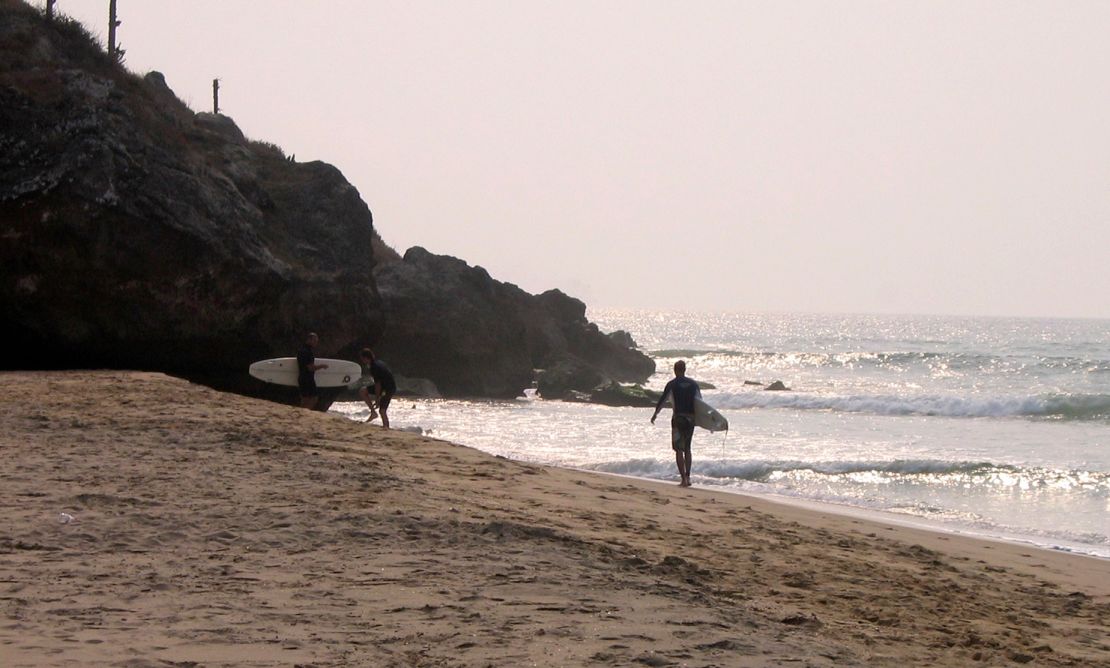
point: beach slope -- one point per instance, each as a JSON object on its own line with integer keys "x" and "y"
{"x": 147, "y": 521}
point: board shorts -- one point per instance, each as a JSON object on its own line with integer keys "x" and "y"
{"x": 307, "y": 386}
{"x": 383, "y": 403}
{"x": 682, "y": 432}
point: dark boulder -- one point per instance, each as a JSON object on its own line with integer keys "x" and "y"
{"x": 475, "y": 336}
{"x": 453, "y": 324}
{"x": 570, "y": 373}
{"x": 623, "y": 339}
{"x": 560, "y": 329}
{"x": 777, "y": 386}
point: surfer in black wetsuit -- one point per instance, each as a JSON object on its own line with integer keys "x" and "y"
{"x": 385, "y": 385}
{"x": 682, "y": 392}
{"x": 306, "y": 371}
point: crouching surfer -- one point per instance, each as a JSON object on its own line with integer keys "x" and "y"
{"x": 375, "y": 372}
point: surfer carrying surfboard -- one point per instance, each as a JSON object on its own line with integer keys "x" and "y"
{"x": 306, "y": 371}
{"x": 682, "y": 392}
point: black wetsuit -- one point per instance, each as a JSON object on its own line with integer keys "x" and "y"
{"x": 306, "y": 377}
{"x": 682, "y": 391}
{"x": 384, "y": 377}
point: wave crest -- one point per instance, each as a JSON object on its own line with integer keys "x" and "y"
{"x": 1061, "y": 406}
{"x": 895, "y": 471}
{"x": 892, "y": 360}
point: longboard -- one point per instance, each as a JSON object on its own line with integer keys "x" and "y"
{"x": 283, "y": 371}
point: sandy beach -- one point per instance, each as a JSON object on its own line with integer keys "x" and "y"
{"x": 147, "y": 521}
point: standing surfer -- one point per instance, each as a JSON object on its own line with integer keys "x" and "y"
{"x": 306, "y": 371}
{"x": 682, "y": 392}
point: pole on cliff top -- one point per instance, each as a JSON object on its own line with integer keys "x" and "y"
{"x": 113, "y": 49}
{"x": 215, "y": 96}
{"x": 50, "y": 9}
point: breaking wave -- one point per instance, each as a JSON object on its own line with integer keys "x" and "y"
{"x": 1057, "y": 406}
{"x": 902, "y": 471}
{"x": 890, "y": 360}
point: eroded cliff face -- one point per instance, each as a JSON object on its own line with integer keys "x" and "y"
{"x": 136, "y": 233}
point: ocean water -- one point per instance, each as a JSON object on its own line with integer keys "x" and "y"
{"x": 986, "y": 426}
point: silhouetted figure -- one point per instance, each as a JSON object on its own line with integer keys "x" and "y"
{"x": 682, "y": 392}
{"x": 306, "y": 371}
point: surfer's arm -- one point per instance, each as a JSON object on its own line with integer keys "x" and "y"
{"x": 662, "y": 400}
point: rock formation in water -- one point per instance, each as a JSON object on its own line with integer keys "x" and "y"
{"x": 476, "y": 336}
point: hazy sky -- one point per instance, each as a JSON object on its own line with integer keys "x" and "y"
{"x": 885, "y": 157}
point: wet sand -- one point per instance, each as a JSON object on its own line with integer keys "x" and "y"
{"x": 211, "y": 529}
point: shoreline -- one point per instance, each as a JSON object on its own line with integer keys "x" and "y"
{"x": 1068, "y": 566}
{"x": 954, "y": 527}
{"x": 876, "y": 516}
{"x": 224, "y": 530}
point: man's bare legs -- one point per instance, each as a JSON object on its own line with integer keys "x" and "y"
{"x": 382, "y": 409}
{"x": 683, "y": 459}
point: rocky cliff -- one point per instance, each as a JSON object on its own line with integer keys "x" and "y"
{"x": 135, "y": 233}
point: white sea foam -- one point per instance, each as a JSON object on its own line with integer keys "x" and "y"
{"x": 1064, "y": 406}
{"x": 916, "y": 471}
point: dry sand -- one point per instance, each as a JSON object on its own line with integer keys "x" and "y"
{"x": 211, "y": 529}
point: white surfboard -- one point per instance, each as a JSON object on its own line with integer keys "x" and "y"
{"x": 707, "y": 417}
{"x": 283, "y": 371}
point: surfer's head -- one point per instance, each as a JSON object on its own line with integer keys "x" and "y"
{"x": 680, "y": 368}
{"x": 311, "y": 340}
{"x": 366, "y": 354}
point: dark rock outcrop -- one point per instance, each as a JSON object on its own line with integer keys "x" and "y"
{"x": 475, "y": 336}
{"x": 622, "y": 339}
{"x": 568, "y": 375}
{"x": 135, "y": 233}
{"x": 615, "y": 394}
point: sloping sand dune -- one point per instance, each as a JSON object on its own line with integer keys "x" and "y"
{"x": 211, "y": 529}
